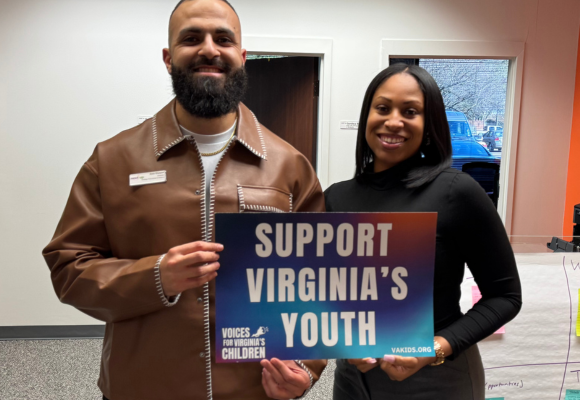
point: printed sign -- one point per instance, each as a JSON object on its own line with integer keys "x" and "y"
{"x": 324, "y": 285}
{"x": 349, "y": 125}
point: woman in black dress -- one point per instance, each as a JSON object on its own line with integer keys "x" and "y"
{"x": 403, "y": 156}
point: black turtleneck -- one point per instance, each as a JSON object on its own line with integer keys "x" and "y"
{"x": 469, "y": 231}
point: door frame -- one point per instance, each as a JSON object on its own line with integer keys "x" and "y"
{"x": 305, "y": 47}
{"x": 512, "y": 51}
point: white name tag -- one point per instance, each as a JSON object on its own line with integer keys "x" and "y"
{"x": 147, "y": 178}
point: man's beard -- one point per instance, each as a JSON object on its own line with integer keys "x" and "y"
{"x": 206, "y": 96}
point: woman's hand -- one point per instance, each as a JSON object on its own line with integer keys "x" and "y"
{"x": 364, "y": 364}
{"x": 400, "y": 368}
{"x": 283, "y": 379}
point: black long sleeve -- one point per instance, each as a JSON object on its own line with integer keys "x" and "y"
{"x": 469, "y": 231}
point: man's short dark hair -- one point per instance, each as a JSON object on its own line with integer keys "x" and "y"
{"x": 183, "y": 1}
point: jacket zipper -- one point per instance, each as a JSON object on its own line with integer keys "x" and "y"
{"x": 206, "y": 235}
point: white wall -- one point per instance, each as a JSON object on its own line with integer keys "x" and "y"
{"x": 75, "y": 72}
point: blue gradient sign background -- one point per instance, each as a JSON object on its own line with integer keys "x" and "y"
{"x": 258, "y": 326}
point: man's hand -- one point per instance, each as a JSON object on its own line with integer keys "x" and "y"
{"x": 189, "y": 266}
{"x": 283, "y": 379}
{"x": 400, "y": 368}
{"x": 364, "y": 364}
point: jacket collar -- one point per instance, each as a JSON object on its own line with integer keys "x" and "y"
{"x": 250, "y": 133}
{"x": 166, "y": 131}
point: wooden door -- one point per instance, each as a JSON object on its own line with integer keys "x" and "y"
{"x": 283, "y": 93}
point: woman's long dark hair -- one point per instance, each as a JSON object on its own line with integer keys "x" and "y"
{"x": 436, "y": 145}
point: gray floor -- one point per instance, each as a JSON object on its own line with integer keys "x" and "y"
{"x": 68, "y": 370}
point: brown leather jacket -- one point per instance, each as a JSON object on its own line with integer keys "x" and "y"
{"x": 110, "y": 236}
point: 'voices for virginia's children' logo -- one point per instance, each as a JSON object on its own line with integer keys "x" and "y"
{"x": 238, "y": 344}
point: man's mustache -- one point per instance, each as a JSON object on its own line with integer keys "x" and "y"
{"x": 204, "y": 61}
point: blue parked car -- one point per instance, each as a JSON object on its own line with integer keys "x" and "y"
{"x": 465, "y": 151}
{"x": 465, "y": 148}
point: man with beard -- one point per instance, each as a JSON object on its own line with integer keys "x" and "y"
{"x": 134, "y": 246}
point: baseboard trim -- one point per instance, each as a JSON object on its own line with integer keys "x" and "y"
{"x": 52, "y": 332}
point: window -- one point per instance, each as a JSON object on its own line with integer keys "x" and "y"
{"x": 474, "y": 92}
{"x": 513, "y": 53}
